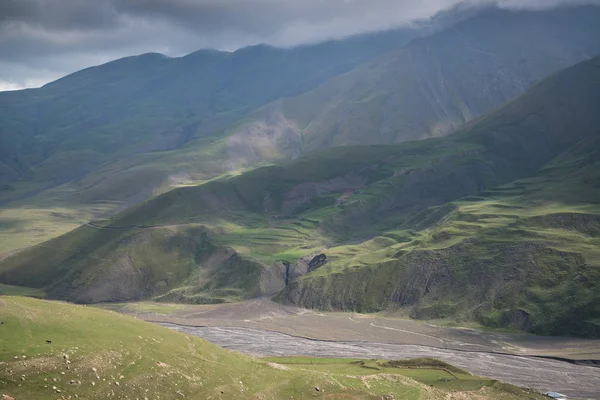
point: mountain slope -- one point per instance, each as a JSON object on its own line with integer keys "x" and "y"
{"x": 109, "y": 136}
{"x": 435, "y": 84}
{"x": 117, "y": 134}
{"x": 427, "y": 88}
{"x": 149, "y": 103}
{"x": 524, "y": 256}
{"x": 256, "y": 233}
{"x": 96, "y": 354}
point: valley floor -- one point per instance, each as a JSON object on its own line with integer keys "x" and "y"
{"x": 264, "y": 328}
{"x": 51, "y": 349}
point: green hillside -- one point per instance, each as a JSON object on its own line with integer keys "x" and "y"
{"x": 505, "y": 209}
{"x": 381, "y": 101}
{"x": 57, "y": 350}
{"x": 107, "y": 137}
{"x": 152, "y": 103}
{"x": 522, "y": 256}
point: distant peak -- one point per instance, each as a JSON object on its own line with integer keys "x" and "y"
{"x": 202, "y": 53}
{"x": 255, "y": 48}
{"x": 153, "y": 55}
{"x": 459, "y": 12}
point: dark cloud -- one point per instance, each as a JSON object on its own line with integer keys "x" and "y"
{"x": 41, "y": 40}
{"x": 59, "y": 14}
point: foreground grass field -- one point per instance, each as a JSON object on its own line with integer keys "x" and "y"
{"x": 427, "y": 371}
{"x": 60, "y": 350}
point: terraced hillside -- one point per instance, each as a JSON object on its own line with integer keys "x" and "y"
{"x": 57, "y": 350}
{"x": 504, "y": 210}
{"x": 90, "y": 144}
{"x": 522, "y": 256}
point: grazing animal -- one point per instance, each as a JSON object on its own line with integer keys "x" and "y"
{"x": 49, "y": 341}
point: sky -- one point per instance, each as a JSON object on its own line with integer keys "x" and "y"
{"x": 42, "y": 40}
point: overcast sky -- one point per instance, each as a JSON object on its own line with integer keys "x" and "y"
{"x": 42, "y": 40}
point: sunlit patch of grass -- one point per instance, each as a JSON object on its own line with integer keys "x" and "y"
{"x": 10, "y": 290}
{"x": 150, "y": 307}
{"x": 46, "y": 216}
{"x": 430, "y": 372}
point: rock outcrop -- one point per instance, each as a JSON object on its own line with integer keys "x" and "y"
{"x": 317, "y": 262}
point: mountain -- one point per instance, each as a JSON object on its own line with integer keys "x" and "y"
{"x": 435, "y": 84}
{"x": 150, "y": 103}
{"x": 426, "y": 88}
{"x": 96, "y": 141}
{"x": 504, "y": 209}
{"x": 109, "y": 136}
{"x": 57, "y": 350}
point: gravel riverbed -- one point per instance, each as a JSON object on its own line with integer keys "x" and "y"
{"x": 543, "y": 374}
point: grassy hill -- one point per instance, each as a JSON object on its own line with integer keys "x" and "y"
{"x": 152, "y": 103}
{"x": 57, "y": 350}
{"x": 505, "y": 209}
{"x": 94, "y": 142}
{"x": 426, "y": 88}
{"x": 109, "y": 136}
{"x": 522, "y": 256}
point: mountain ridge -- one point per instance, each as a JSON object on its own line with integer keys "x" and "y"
{"x": 370, "y": 210}
{"x": 112, "y": 136}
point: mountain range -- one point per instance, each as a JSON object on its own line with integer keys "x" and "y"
{"x": 124, "y": 131}
{"x": 450, "y": 173}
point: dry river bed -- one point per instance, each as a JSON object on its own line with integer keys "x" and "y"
{"x": 263, "y": 328}
{"x": 543, "y": 374}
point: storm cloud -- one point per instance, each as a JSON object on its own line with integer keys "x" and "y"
{"x": 41, "y": 40}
